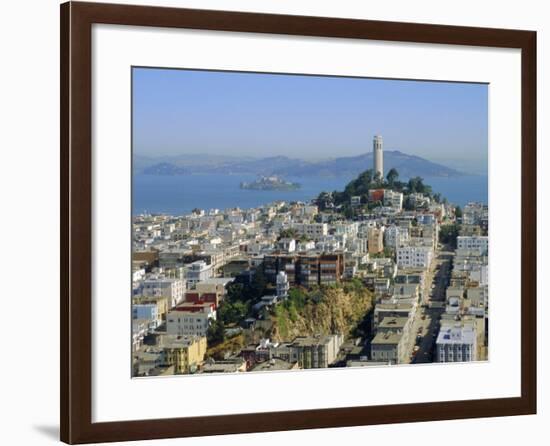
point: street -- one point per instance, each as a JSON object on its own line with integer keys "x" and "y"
{"x": 425, "y": 324}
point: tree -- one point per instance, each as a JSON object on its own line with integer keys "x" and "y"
{"x": 233, "y": 312}
{"x": 348, "y": 212}
{"x": 324, "y": 200}
{"x": 365, "y": 178}
{"x": 235, "y": 291}
{"x": 288, "y": 233}
{"x": 360, "y": 186}
{"x": 458, "y": 212}
{"x": 216, "y": 332}
{"x": 416, "y": 184}
{"x": 408, "y": 204}
{"x": 259, "y": 283}
{"x": 448, "y": 235}
{"x": 392, "y": 177}
{"x": 298, "y": 297}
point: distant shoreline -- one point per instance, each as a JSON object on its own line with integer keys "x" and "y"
{"x": 179, "y": 194}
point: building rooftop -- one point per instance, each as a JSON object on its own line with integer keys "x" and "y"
{"x": 226, "y": 366}
{"x": 388, "y": 338}
{"x": 456, "y": 334}
{"x": 393, "y": 322}
{"x": 274, "y": 364}
{"x": 176, "y": 341}
{"x": 306, "y": 341}
{"x": 216, "y": 281}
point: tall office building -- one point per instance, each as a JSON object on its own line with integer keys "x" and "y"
{"x": 378, "y": 156}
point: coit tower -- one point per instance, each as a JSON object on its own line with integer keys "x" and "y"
{"x": 378, "y": 156}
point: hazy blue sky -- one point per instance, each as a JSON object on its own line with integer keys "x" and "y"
{"x": 184, "y": 111}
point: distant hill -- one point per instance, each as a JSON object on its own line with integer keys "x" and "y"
{"x": 406, "y": 165}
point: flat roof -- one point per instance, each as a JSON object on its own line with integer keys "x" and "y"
{"x": 216, "y": 281}
{"x": 387, "y": 338}
{"x": 274, "y": 364}
{"x": 456, "y": 335}
{"x": 393, "y": 322}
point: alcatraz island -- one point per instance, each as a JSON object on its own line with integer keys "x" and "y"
{"x": 272, "y": 182}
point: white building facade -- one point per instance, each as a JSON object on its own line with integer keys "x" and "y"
{"x": 173, "y": 289}
{"x": 473, "y": 243}
{"x": 414, "y": 256}
{"x": 198, "y": 271}
{"x": 456, "y": 344}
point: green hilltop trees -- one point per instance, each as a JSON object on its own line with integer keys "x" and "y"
{"x": 367, "y": 181}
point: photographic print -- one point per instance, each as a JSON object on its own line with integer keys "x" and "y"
{"x": 285, "y": 222}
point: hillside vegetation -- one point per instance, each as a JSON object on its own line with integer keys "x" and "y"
{"x": 324, "y": 310}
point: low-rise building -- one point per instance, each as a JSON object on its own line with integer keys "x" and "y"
{"x": 233, "y": 365}
{"x": 414, "y": 256}
{"x": 214, "y": 285}
{"x": 184, "y": 353}
{"x": 311, "y": 230}
{"x": 274, "y": 364}
{"x": 473, "y": 243}
{"x": 147, "y": 312}
{"x": 310, "y": 352}
{"x": 282, "y": 285}
{"x": 393, "y": 199}
{"x": 197, "y": 272}
{"x": 456, "y": 343}
{"x": 396, "y": 236}
{"x": 173, "y": 289}
{"x": 389, "y": 347}
{"x": 190, "y": 320}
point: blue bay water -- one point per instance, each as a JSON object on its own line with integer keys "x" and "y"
{"x": 178, "y": 195}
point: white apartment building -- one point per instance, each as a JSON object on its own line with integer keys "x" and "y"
{"x": 282, "y": 285}
{"x": 173, "y": 289}
{"x": 414, "y": 256}
{"x": 311, "y": 230}
{"x": 456, "y": 343}
{"x": 329, "y": 244}
{"x": 189, "y": 323}
{"x": 393, "y": 199}
{"x": 197, "y": 272}
{"x": 426, "y": 219}
{"x": 348, "y": 229}
{"x": 309, "y": 210}
{"x": 359, "y": 245}
{"x": 474, "y": 213}
{"x": 473, "y": 243}
{"x": 479, "y": 273}
{"x": 287, "y": 244}
{"x": 147, "y": 312}
{"x": 396, "y": 236}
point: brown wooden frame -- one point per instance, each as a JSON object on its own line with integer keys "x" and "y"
{"x": 76, "y": 221}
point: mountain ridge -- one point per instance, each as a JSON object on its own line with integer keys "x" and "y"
{"x": 407, "y": 165}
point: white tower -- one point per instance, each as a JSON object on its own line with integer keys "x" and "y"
{"x": 378, "y": 156}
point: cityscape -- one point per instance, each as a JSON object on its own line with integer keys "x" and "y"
{"x": 385, "y": 271}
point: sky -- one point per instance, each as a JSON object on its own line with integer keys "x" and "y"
{"x": 179, "y": 112}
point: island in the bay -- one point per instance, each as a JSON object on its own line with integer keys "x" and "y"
{"x": 272, "y": 182}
